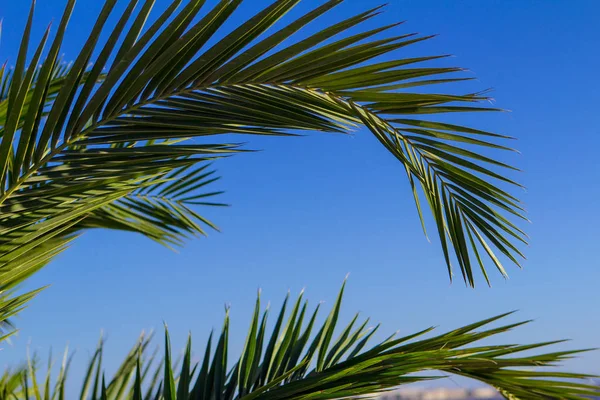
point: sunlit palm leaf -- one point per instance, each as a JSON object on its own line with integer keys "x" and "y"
{"x": 301, "y": 360}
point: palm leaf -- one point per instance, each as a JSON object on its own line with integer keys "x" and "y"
{"x": 165, "y": 83}
{"x": 353, "y": 370}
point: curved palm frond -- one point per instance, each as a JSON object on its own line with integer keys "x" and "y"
{"x": 166, "y": 82}
{"x": 302, "y": 360}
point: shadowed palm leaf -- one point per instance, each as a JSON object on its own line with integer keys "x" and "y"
{"x": 128, "y": 119}
{"x": 302, "y": 360}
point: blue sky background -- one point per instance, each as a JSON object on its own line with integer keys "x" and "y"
{"x": 306, "y": 211}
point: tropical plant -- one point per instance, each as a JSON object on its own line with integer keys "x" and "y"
{"x": 104, "y": 145}
{"x": 107, "y": 144}
{"x": 294, "y": 362}
{"x": 116, "y": 143}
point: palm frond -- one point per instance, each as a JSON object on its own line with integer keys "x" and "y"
{"x": 163, "y": 210}
{"x": 10, "y": 305}
{"x": 30, "y": 238}
{"x": 167, "y": 82}
{"x": 6, "y": 78}
{"x": 303, "y": 360}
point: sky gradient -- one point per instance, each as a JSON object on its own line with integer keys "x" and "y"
{"x": 307, "y": 211}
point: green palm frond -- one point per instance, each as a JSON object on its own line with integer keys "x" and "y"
{"x": 301, "y": 359}
{"x": 167, "y": 82}
{"x": 162, "y": 211}
{"x": 11, "y": 305}
{"x": 6, "y": 76}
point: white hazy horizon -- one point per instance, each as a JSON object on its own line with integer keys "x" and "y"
{"x": 442, "y": 394}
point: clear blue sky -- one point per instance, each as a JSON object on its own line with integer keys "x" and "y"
{"x": 307, "y": 211}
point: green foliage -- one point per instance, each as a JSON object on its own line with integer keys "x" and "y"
{"x": 125, "y": 141}
{"x": 78, "y": 142}
{"x": 303, "y": 360}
